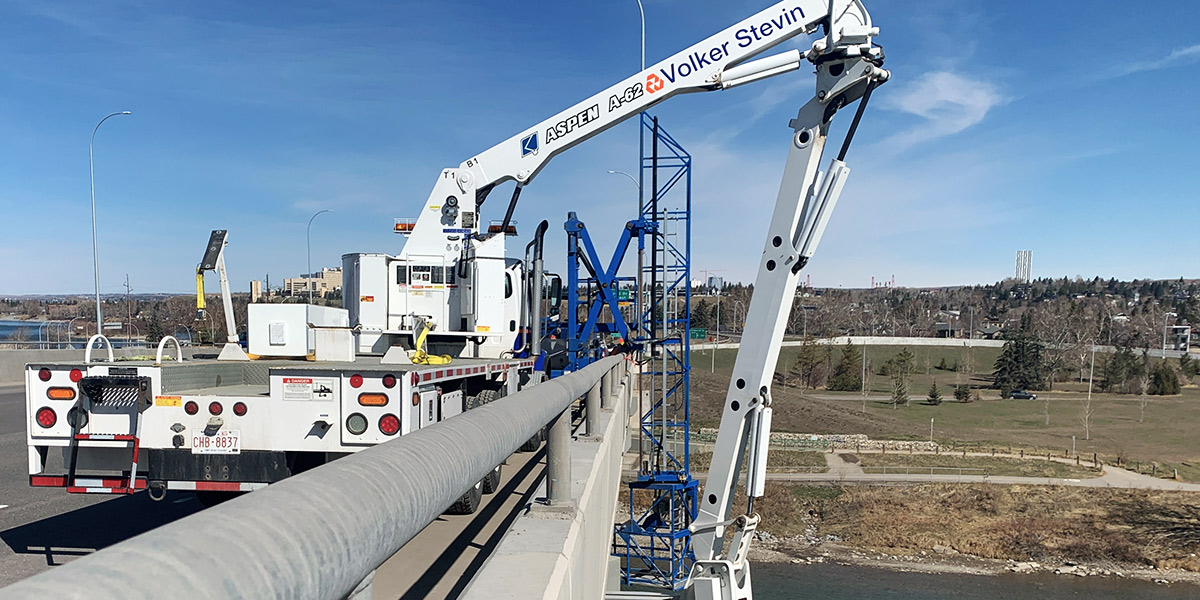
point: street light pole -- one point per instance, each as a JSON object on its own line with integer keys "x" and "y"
{"x": 308, "y": 238}
{"x": 642, "y": 11}
{"x": 95, "y": 253}
{"x": 1165, "y": 317}
{"x": 717, "y": 336}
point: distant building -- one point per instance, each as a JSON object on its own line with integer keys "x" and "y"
{"x": 256, "y": 290}
{"x": 716, "y": 283}
{"x": 328, "y": 280}
{"x": 1024, "y": 265}
{"x": 946, "y": 330}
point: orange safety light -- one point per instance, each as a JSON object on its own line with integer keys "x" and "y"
{"x": 61, "y": 393}
{"x": 367, "y": 399}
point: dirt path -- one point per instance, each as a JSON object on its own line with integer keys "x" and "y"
{"x": 1113, "y": 477}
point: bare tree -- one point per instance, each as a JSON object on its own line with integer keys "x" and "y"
{"x": 1053, "y": 326}
{"x": 1085, "y": 416}
{"x": 1143, "y": 382}
{"x": 20, "y": 334}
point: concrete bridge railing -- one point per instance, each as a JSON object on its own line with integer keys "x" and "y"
{"x": 321, "y": 534}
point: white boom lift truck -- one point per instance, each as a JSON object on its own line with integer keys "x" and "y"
{"x": 453, "y": 285}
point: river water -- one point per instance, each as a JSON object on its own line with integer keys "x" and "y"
{"x": 836, "y": 582}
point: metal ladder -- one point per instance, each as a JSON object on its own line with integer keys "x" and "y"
{"x": 115, "y": 392}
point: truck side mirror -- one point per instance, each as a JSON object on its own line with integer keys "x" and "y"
{"x": 555, "y": 294}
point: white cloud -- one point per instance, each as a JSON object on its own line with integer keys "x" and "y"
{"x": 947, "y": 102}
{"x": 1176, "y": 57}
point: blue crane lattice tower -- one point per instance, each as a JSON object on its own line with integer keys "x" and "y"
{"x": 654, "y": 543}
{"x": 650, "y": 312}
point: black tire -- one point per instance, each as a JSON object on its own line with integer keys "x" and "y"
{"x": 534, "y": 442}
{"x": 491, "y": 483}
{"x": 469, "y": 503}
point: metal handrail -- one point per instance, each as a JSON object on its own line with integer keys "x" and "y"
{"x": 162, "y": 344}
{"x": 323, "y": 532}
{"x": 87, "y": 354}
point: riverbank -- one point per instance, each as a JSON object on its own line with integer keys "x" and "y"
{"x": 985, "y": 529}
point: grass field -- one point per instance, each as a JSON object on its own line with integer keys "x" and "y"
{"x": 777, "y": 460}
{"x": 994, "y": 466}
{"x": 1165, "y": 441}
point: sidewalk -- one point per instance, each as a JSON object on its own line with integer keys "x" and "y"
{"x": 1113, "y": 477}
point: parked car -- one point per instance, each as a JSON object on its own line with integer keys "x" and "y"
{"x": 1022, "y": 395}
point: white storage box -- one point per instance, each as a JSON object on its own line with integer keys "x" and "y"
{"x": 282, "y": 330}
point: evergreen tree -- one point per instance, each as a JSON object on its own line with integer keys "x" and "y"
{"x": 154, "y": 329}
{"x": 1021, "y": 364}
{"x": 901, "y": 371}
{"x": 807, "y": 360}
{"x": 1187, "y": 366}
{"x": 847, "y": 375}
{"x": 1164, "y": 381}
{"x": 935, "y": 397}
{"x": 702, "y": 315}
{"x": 962, "y": 393}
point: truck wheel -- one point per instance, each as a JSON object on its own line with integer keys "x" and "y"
{"x": 491, "y": 483}
{"x": 469, "y": 502}
{"x": 533, "y": 442}
{"x": 488, "y": 396}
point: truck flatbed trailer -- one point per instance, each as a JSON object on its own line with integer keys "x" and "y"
{"x": 211, "y": 425}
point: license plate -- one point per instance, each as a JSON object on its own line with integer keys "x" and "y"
{"x": 221, "y": 442}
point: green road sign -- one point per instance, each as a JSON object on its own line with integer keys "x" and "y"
{"x": 622, "y": 294}
{"x": 698, "y": 333}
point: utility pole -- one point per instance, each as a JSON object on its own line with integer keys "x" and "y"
{"x": 128, "y": 313}
{"x": 717, "y": 335}
{"x": 864, "y": 377}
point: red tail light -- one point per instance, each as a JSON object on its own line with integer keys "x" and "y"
{"x": 76, "y": 375}
{"x": 191, "y": 407}
{"x": 356, "y": 381}
{"x": 414, "y": 378}
{"x": 44, "y": 374}
{"x": 389, "y": 381}
{"x": 46, "y": 417}
{"x": 239, "y": 409}
{"x": 214, "y": 408}
{"x": 389, "y": 424}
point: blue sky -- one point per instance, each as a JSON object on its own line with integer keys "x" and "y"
{"x": 1064, "y": 128}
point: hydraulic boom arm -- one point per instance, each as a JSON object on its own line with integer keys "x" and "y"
{"x": 848, "y": 69}
{"x": 716, "y": 63}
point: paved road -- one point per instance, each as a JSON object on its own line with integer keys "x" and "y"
{"x": 41, "y": 527}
